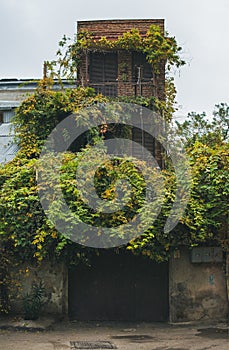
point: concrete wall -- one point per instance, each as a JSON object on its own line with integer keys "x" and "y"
{"x": 14, "y": 95}
{"x": 55, "y": 279}
{"x": 197, "y": 291}
{"x": 18, "y": 90}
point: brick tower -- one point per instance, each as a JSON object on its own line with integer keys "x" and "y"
{"x": 122, "y": 72}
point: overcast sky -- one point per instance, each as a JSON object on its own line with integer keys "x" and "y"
{"x": 31, "y": 30}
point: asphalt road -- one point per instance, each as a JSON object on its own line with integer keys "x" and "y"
{"x": 125, "y": 336}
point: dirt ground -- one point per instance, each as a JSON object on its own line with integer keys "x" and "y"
{"x": 125, "y": 336}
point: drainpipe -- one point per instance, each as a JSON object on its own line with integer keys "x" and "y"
{"x": 87, "y": 78}
{"x": 139, "y": 81}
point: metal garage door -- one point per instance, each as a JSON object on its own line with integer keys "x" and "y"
{"x": 119, "y": 287}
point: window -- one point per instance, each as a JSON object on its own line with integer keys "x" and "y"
{"x": 7, "y": 116}
{"x": 103, "y": 72}
{"x": 141, "y": 69}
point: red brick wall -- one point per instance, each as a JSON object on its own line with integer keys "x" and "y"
{"x": 124, "y": 86}
{"x": 112, "y": 29}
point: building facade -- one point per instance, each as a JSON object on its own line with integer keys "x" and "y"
{"x": 192, "y": 285}
{"x": 12, "y": 93}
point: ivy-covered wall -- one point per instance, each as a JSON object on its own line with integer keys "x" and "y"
{"x": 27, "y": 232}
{"x": 111, "y": 31}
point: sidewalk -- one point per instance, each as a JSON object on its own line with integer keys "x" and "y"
{"x": 126, "y": 336}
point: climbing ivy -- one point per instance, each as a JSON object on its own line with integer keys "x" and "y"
{"x": 159, "y": 48}
{"x": 24, "y": 225}
{"x": 32, "y": 235}
{"x": 42, "y": 111}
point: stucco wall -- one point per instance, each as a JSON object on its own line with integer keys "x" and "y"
{"x": 197, "y": 291}
{"x": 55, "y": 279}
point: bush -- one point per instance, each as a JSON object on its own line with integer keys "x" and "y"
{"x": 34, "y": 301}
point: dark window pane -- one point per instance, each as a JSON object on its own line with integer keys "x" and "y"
{"x": 103, "y": 67}
{"x": 140, "y": 67}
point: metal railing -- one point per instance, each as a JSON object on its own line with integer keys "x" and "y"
{"x": 108, "y": 88}
{"x": 111, "y": 88}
